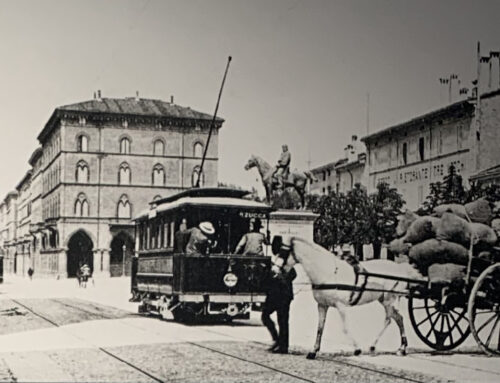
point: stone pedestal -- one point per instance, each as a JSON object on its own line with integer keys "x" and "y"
{"x": 298, "y": 223}
{"x": 293, "y": 222}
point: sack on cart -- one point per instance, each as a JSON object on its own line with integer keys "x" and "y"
{"x": 437, "y": 251}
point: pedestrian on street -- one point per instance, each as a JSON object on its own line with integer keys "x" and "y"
{"x": 279, "y": 297}
{"x": 30, "y": 273}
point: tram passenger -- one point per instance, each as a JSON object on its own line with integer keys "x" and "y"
{"x": 181, "y": 237}
{"x": 251, "y": 243}
{"x": 279, "y": 297}
{"x": 200, "y": 238}
{"x": 183, "y": 226}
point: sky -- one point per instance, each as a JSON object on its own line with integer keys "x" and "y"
{"x": 300, "y": 74}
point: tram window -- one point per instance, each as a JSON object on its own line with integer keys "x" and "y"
{"x": 148, "y": 237}
{"x": 172, "y": 232}
{"x": 166, "y": 227}
{"x": 139, "y": 237}
{"x": 158, "y": 236}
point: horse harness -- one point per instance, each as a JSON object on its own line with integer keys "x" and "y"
{"x": 359, "y": 289}
{"x": 360, "y": 273}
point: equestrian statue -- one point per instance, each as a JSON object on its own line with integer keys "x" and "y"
{"x": 278, "y": 178}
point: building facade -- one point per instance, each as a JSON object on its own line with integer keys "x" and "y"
{"x": 101, "y": 162}
{"x": 343, "y": 174}
{"x": 412, "y": 155}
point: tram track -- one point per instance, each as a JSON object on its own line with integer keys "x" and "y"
{"x": 339, "y": 361}
{"x": 102, "y": 349}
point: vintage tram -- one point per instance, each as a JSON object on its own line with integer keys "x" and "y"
{"x": 170, "y": 282}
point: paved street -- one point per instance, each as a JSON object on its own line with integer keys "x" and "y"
{"x": 54, "y": 331}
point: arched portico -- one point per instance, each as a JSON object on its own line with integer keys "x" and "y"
{"x": 122, "y": 250}
{"x": 79, "y": 252}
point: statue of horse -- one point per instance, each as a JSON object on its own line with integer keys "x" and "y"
{"x": 297, "y": 180}
{"x": 324, "y": 268}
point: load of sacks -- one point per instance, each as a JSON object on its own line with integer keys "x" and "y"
{"x": 439, "y": 244}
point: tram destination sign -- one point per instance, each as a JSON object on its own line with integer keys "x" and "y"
{"x": 250, "y": 214}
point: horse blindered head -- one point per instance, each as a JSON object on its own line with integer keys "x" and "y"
{"x": 250, "y": 163}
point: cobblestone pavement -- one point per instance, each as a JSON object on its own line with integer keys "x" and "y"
{"x": 52, "y": 331}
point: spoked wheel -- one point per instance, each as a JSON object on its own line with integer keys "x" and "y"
{"x": 440, "y": 326}
{"x": 484, "y": 310}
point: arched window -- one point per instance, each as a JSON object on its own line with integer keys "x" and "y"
{"x": 81, "y": 206}
{"x": 194, "y": 176}
{"x": 82, "y": 174}
{"x": 124, "y": 145}
{"x": 124, "y": 174}
{"x": 158, "y": 148}
{"x": 82, "y": 143}
{"x": 124, "y": 209}
{"x": 158, "y": 175}
{"x": 198, "y": 150}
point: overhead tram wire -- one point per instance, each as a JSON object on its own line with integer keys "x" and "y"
{"x": 212, "y": 124}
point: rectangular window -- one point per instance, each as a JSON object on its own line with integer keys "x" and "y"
{"x": 421, "y": 148}
{"x": 405, "y": 153}
{"x": 420, "y": 194}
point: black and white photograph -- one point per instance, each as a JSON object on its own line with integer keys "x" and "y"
{"x": 205, "y": 191}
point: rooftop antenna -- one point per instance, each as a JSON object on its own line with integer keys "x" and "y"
{"x": 368, "y": 113}
{"x": 212, "y": 124}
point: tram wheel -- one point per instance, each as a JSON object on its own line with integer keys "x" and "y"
{"x": 438, "y": 326}
{"x": 484, "y": 310}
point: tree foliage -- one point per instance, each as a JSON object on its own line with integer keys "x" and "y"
{"x": 452, "y": 190}
{"x": 356, "y": 217}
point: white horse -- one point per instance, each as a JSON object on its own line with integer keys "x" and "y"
{"x": 324, "y": 268}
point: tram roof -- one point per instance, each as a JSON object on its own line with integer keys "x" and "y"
{"x": 205, "y": 197}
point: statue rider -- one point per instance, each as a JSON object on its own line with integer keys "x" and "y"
{"x": 283, "y": 167}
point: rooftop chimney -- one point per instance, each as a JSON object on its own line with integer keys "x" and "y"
{"x": 495, "y": 70}
{"x": 99, "y": 95}
{"x": 172, "y": 99}
{"x": 95, "y": 96}
{"x": 136, "y": 95}
{"x": 484, "y": 63}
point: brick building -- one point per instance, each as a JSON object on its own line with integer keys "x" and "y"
{"x": 99, "y": 163}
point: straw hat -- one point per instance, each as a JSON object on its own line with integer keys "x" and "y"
{"x": 207, "y": 228}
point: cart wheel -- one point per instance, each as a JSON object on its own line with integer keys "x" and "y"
{"x": 484, "y": 310}
{"x": 439, "y": 326}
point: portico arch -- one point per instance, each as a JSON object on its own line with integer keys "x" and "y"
{"x": 122, "y": 250}
{"x": 79, "y": 252}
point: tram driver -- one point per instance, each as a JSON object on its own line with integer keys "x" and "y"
{"x": 201, "y": 239}
{"x": 252, "y": 242}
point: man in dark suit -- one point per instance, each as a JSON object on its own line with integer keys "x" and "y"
{"x": 279, "y": 297}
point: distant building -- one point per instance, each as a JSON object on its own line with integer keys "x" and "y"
{"x": 412, "y": 155}
{"x": 100, "y": 162}
{"x": 343, "y": 174}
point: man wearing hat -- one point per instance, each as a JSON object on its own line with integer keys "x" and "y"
{"x": 279, "y": 297}
{"x": 251, "y": 243}
{"x": 200, "y": 238}
{"x": 283, "y": 166}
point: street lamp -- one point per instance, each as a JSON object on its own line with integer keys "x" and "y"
{"x": 124, "y": 248}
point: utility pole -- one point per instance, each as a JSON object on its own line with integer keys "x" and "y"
{"x": 124, "y": 249}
